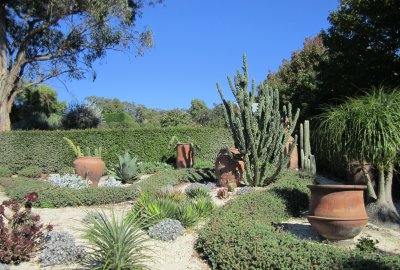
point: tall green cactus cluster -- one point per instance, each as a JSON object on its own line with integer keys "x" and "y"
{"x": 259, "y": 129}
{"x": 306, "y": 158}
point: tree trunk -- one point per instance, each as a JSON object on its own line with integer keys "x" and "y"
{"x": 5, "y": 124}
{"x": 382, "y": 211}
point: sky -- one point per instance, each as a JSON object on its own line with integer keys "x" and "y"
{"x": 200, "y": 43}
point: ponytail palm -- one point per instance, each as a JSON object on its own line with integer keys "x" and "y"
{"x": 368, "y": 129}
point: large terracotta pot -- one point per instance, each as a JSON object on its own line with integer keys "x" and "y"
{"x": 184, "y": 156}
{"x": 294, "y": 158}
{"x": 91, "y": 168}
{"x": 227, "y": 169}
{"x": 337, "y": 212}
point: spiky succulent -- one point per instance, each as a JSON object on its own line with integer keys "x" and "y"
{"x": 127, "y": 168}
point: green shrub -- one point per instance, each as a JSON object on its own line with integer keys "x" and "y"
{"x": 5, "y": 171}
{"x": 203, "y": 164}
{"x": 243, "y": 235}
{"x": 187, "y": 214}
{"x": 30, "y": 172}
{"x": 197, "y": 192}
{"x": 50, "y": 196}
{"x": 116, "y": 244}
{"x": 51, "y": 153}
{"x": 149, "y": 167}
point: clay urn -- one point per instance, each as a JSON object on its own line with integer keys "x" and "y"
{"x": 337, "y": 212}
{"x": 184, "y": 155}
{"x": 294, "y": 158}
{"x": 90, "y": 168}
{"x": 227, "y": 169}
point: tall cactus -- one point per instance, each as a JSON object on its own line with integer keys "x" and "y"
{"x": 260, "y": 133}
{"x": 307, "y": 159}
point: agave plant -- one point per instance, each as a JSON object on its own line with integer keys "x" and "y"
{"x": 116, "y": 243}
{"x": 127, "y": 168}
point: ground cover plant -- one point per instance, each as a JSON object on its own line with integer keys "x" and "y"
{"x": 245, "y": 234}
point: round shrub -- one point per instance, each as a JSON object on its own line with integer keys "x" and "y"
{"x": 30, "y": 172}
{"x": 60, "y": 248}
{"x": 243, "y": 235}
{"x": 5, "y": 171}
{"x": 166, "y": 230}
{"x": 81, "y": 116}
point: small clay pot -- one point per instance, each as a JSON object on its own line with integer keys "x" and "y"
{"x": 90, "y": 168}
{"x": 184, "y": 155}
{"x": 227, "y": 169}
{"x": 337, "y": 212}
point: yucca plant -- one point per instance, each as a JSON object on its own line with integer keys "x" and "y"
{"x": 127, "y": 168}
{"x": 116, "y": 243}
{"x": 367, "y": 129}
{"x": 187, "y": 214}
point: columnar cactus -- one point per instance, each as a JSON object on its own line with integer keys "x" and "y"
{"x": 259, "y": 130}
{"x": 306, "y": 158}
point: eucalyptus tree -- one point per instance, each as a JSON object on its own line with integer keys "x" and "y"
{"x": 367, "y": 129}
{"x": 43, "y": 39}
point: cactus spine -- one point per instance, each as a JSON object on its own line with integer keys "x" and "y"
{"x": 260, "y": 134}
{"x": 307, "y": 159}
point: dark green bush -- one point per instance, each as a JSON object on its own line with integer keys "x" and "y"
{"x": 65, "y": 170}
{"x": 244, "y": 234}
{"x": 5, "y": 171}
{"x": 30, "y": 172}
{"x": 50, "y": 152}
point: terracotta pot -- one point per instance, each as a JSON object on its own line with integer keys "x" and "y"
{"x": 184, "y": 155}
{"x": 228, "y": 170}
{"x": 337, "y": 212}
{"x": 294, "y": 158}
{"x": 90, "y": 168}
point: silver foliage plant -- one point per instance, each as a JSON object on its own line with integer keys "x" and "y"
{"x": 110, "y": 182}
{"x": 60, "y": 248}
{"x": 68, "y": 181}
{"x": 166, "y": 230}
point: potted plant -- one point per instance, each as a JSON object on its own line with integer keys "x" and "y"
{"x": 184, "y": 152}
{"x": 367, "y": 129}
{"x": 229, "y": 167}
{"x": 88, "y": 167}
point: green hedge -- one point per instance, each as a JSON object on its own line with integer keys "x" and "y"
{"x": 244, "y": 234}
{"x": 50, "y": 152}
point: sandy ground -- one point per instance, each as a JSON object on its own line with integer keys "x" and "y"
{"x": 180, "y": 254}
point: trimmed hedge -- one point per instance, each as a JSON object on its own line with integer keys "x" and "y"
{"x": 244, "y": 234}
{"x": 51, "y": 196}
{"x": 50, "y": 152}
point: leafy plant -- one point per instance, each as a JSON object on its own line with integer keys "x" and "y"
{"x": 204, "y": 206}
{"x": 21, "y": 234}
{"x": 5, "y": 171}
{"x": 366, "y": 245}
{"x": 68, "y": 181}
{"x": 30, "y": 172}
{"x": 127, "y": 168}
{"x": 203, "y": 164}
{"x": 116, "y": 243}
{"x": 152, "y": 167}
{"x": 79, "y": 153}
{"x": 187, "y": 214}
{"x": 259, "y": 129}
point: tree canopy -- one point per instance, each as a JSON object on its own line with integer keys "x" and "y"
{"x": 43, "y": 39}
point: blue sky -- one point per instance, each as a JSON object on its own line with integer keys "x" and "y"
{"x": 199, "y": 43}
